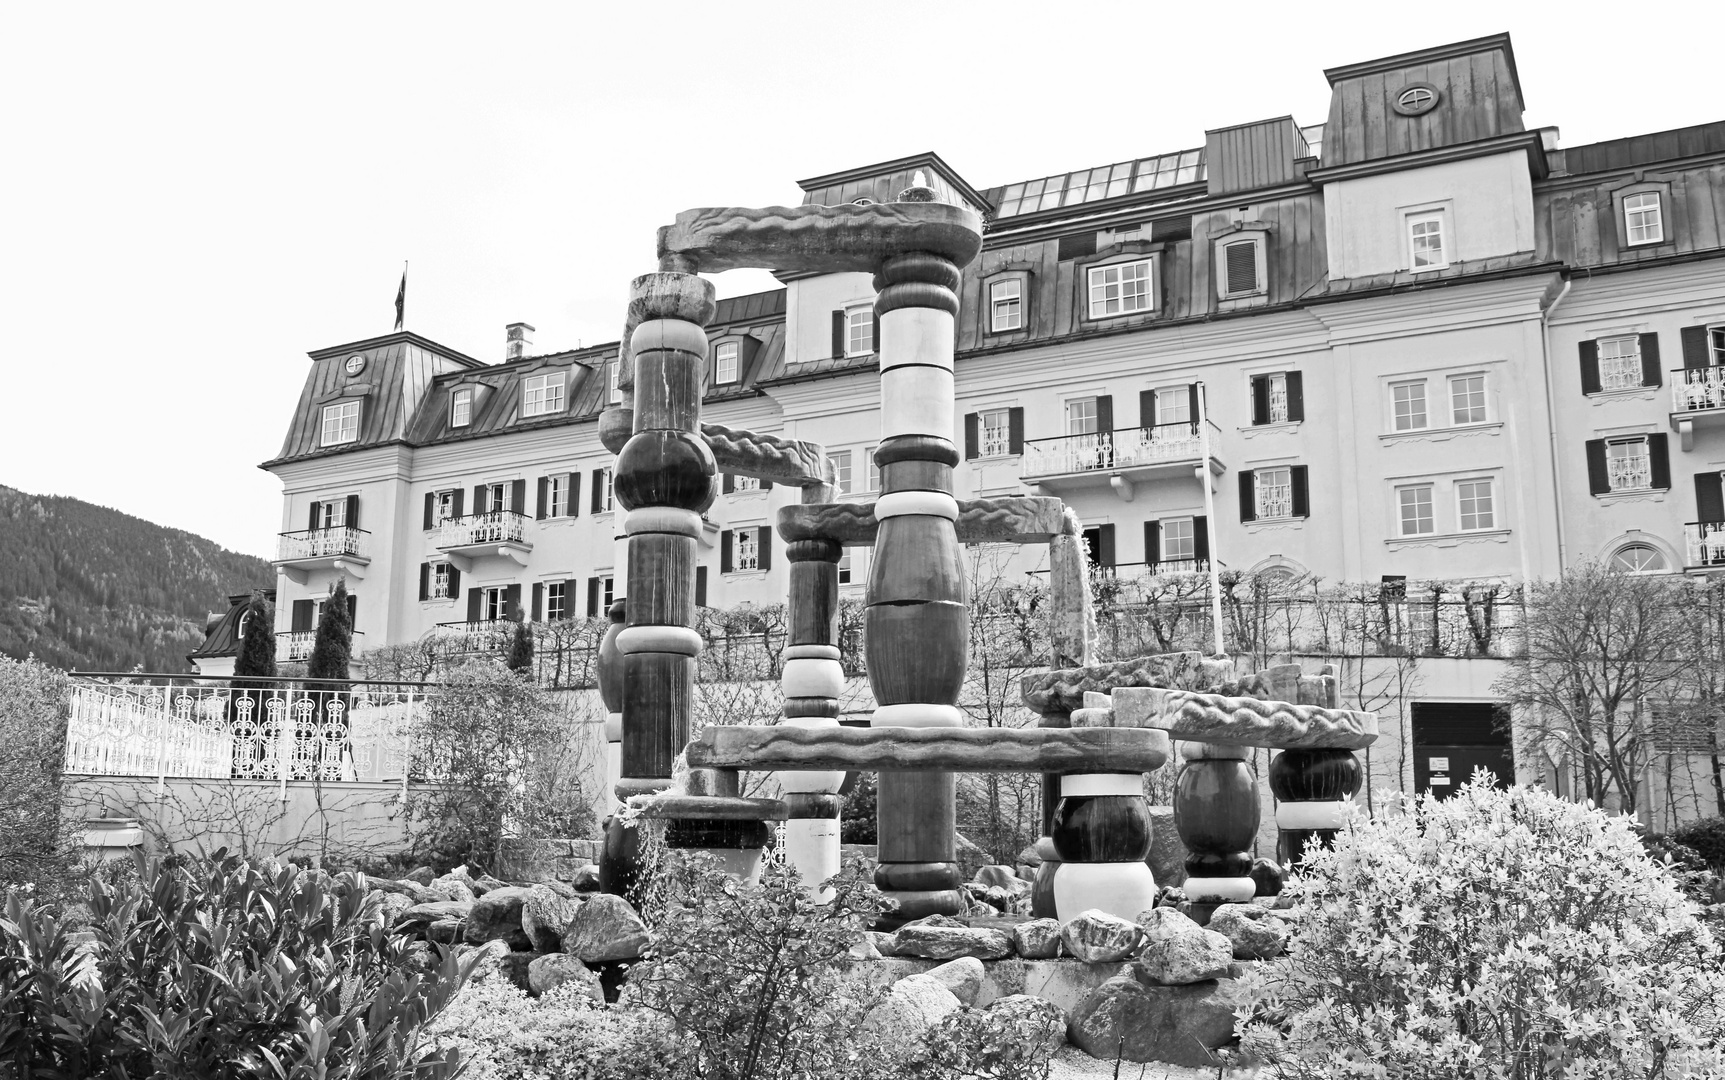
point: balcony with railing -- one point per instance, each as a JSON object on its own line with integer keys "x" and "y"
{"x": 295, "y": 645}
{"x": 342, "y": 549}
{"x": 1118, "y": 457}
{"x": 504, "y": 533}
{"x": 1705, "y": 541}
{"x": 1697, "y": 399}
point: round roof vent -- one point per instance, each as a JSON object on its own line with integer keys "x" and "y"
{"x": 1416, "y": 99}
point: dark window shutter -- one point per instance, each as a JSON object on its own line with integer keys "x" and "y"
{"x": 1242, "y": 263}
{"x": 1192, "y": 404}
{"x": 481, "y": 497}
{"x": 725, "y": 563}
{"x": 1297, "y": 488}
{"x": 1201, "y": 538}
{"x": 425, "y": 581}
{"x": 352, "y": 611}
{"x": 838, "y": 334}
{"x": 1015, "y": 430}
{"x": 512, "y": 602}
{"x": 430, "y": 507}
{"x": 1076, "y": 246}
{"x": 1709, "y": 497}
{"x": 454, "y": 583}
{"x": 1651, "y": 375}
{"x": 874, "y": 334}
{"x": 1105, "y": 545}
{"x": 302, "y": 611}
{"x": 1260, "y": 399}
{"x": 1146, "y": 408}
{"x": 539, "y": 505}
{"x": 1598, "y": 480}
{"x": 1695, "y": 347}
{"x": 764, "y": 545}
{"x": 1659, "y": 460}
{"x": 972, "y": 436}
{"x": 1152, "y": 543}
{"x": 728, "y": 484}
{"x": 1248, "y": 496}
{"x": 353, "y": 511}
{"x": 574, "y": 501}
{"x": 518, "y": 496}
{"x": 460, "y": 501}
{"x": 598, "y": 491}
{"x": 473, "y": 598}
{"x": 700, "y": 586}
{"x": 538, "y": 601}
{"x": 766, "y": 485}
{"x": 571, "y": 595}
{"x": 1104, "y": 412}
{"x": 1590, "y": 383}
{"x": 313, "y": 522}
{"x": 1296, "y": 397}
{"x": 593, "y": 587}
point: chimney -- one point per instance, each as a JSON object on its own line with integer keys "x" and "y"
{"x": 520, "y": 340}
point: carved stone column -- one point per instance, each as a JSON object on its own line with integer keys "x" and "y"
{"x": 1310, "y": 786}
{"x": 1216, "y": 814}
{"x": 812, "y": 679}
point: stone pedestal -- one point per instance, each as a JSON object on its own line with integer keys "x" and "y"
{"x": 1216, "y": 813}
{"x": 1101, "y": 834}
{"x": 1309, "y": 786}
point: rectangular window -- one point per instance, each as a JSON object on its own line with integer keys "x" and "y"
{"x": 871, "y": 471}
{"x": 1473, "y": 500}
{"x": 1426, "y": 241}
{"x": 1416, "y": 509}
{"x": 1173, "y": 406}
{"x": 1081, "y": 416}
{"x": 556, "y": 601}
{"x": 845, "y": 567}
{"x": 1620, "y": 363}
{"x": 445, "y": 507}
{"x": 542, "y": 395}
{"x": 461, "y": 407}
{"x": 1642, "y": 216}
{"x": 747, "y": 553}
{"x": 1274, "y": 492}
{"x": 1177, "y": 545}
{"x": 607, "y": 592}
{"x": 859, "y": 331}
{"x": 1467, "y": 399}
{"x": 994, "y": 426}
{"x": 440, "y": 581}
{"x": 1410, "y": 405}
{"x": 725, "y": 363}
{"x": 1276, "y": 393}
{"x": 1006, "y": 305}
{"x": 616, "y": 393}
{"x": 494, "y": 603}
{"x": 1240, "y": 267}
{"x": 340, "y": 423}
{"x": 557, "y": 495}
{"x": 1628, "y": 465}
{"x": 497, "y": 498}
{"x": 332, "y": 514}
{"x": 841, "y": 471}
{"x": 605, "y": 486}
{"x": 745, "y": 483}
{"x": 1120, "y": 289}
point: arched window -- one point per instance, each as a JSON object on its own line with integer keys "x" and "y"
{"x": 1638, "y": 559}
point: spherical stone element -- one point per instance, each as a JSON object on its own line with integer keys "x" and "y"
{"x": 1102, "y": 828}
{"x": 927, "y": 503}
{"x": 1314, "y": 775}
{"x": 810, "y": 677}
{"x": 665, "y": 468}
{"x": 1097, "y": 937}
{"x": 921, "y": 903}
{"x": 611, "y": 664}
{"x": 1220, "y": 864}
{"x": 1118, "y": 888}
{"x": 1216, "y": 805}
{"x": 916, "y": 652}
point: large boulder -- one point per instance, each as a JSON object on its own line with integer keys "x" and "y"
{"x": 413, "y": 890}
{"x": 940, "y": 938}
{"x": 491, "y": 955}
{"x": 1253, "y": 932}
{"x": 1032, "y": 1018}
{"x": 1179, "y": 1025}
{"x": 453, "y": 886}
{"x": 1178, "y": 951}
{"x": 420, "y": 875}
{"x": 485, "y": 883}
{"x": 416, "y": 918}
{"x": 1038, "y": 939}
{"x": 497, "y": 916}
{"x": 544, "y": 914}
{"x": 962, "y": 976}
{"x": 911, "y": 1007}
{"x": 1097, "y": 937}
{"x": 391, "y": 906}
{"x": 555, "y": 969}
{"x": 605, "y": 928}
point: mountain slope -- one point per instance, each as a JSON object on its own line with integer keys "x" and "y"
{"x": 87, "y": 587}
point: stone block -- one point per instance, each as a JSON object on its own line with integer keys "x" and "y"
{"x": 1177, "y": 1025}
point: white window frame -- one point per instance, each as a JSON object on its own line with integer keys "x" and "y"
{"x": 542, "y": 395}
{"x": 1396, "y": 416}
{"x": 1276, "y": 398}
{"x": 1171, "y": 401}
{"x": 607, "y": 591}
{"x": 1653, "y": 231}
{"x": 443, "y": 507}
{"x": 1489, "y": 515}
{"x": 461, "y": 406}
{"x": 493, "y": 603}
{"x": 1092, "y": 419}
{"x": 557, "y": 495}
{"x": 608, "y": 503}
{"x": 726, "y": 362}
{"x": 745, "y": 550}
{"x": 1260, "y": 283}
{"x": 871, "y": 471}
{"x": 616, "y": 390}
{"x": 1263, "y": 491}
{"x": 1619, "y": 363}
{"x": 859, "y": 331}
{"x": 994, "y": 433}
{"x": 1642, "y": 471}
{"x": 556, "y": 600}
{"x": 744, "y": 485}
{"x": 1006, "y": 308}
{"x": 1177, "y": 548}
{"x": 1137, "y": 301}
{"x": 439, "y": 581}
{"x": 1484, "y": 399}
{"x": 841, "y": 460}
{"x": 497, "y": 497}
{"x": 332, "y": 514}
{"x": 845, "y": 567}
{"x": 1418, "y": 499}
{"x": 340, "y": 423}
{"x": 1419, "y": 220}
{"x": 1664, "y": 564}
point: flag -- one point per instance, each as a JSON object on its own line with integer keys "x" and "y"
{"x": 401, "y": 300}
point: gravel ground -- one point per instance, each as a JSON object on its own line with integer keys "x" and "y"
{"x": 1072, "y": 1063}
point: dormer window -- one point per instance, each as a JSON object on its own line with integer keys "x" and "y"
{"x": 542, "y": 395}
{"x": 1006, "y": 305}
{"x": 340, "y": 423}
{"x": 859, "y": 331}
{"x": 1643, "y": 218}
{"x": 1426, "y": 241}
{"x": 1121, "y": 289}
{"x": 725, "y": 362}
{"x": 461, "y": 407}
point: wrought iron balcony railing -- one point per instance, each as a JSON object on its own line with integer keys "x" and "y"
{"x": 491, "y": 527}
{"x": 322, "y": 543}
{"x": 1104, "y": 450}
{"x": 298, "y": 643}
{"x": 1706, "y": 543}
{"x": 1693, "y": 389}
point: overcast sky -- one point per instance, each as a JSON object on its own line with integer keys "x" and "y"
{"x": 195, "y": 195}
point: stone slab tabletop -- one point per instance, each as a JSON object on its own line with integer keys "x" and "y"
{"x": 1243, "y": 721}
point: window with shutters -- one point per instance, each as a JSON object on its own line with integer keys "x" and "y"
{"x": 859, "y": 330}
{"x": 841, "y": 460}
{"x": 494, "y": 603}
{"x": 557, "y": 495}
{"x": 1121, "y": 289}
{"x": 497, "y": 497}
{"x": 1274, "y": 492}
{"x": 542, "y": 395}
{"x": 1408, "y": 403}
{"x": 1643, "y": 221}
{"x": 1173, "y": 405}
{"x": 461, "y": 406}
{"x": 1620, "y": 363}
{"x": 1178, "y": 541}
{"x": 607, "y": 592}
{"x": 845, "y": 567}
{"x": 1467, "y": 399}
{"x": 615, "y": 395}
{"x": 444, "y": 508}
{"x": 1240, "y": 269}
{"x": 605, "y": 493}
{"x": 557, "y": 601}
{"x": 332, "y": 514}
{"x": 1474, "y": 507}
{"x": 725, "y": 362}
{"x": 746, "y": 551}
{"x": 340, "y": 423}
{"x": 1006, "y": 305}
{"x": 1276, "y": 398}
{"x": 1415, "y": 506}
{"x": 1426, "y": 247}
{"x": 994, "y": 428}
{"x": 440, "y": 581}
{"x": 1628, "y": 464}
{"x": 1081, "y": 416}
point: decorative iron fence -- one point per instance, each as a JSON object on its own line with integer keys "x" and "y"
{"x": 1121, "y": 449}
{"x": 321, "y": 543}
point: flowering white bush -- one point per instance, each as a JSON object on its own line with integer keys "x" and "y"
{"x": 502, "y": 1034}
{"x": 1498, "y": 934}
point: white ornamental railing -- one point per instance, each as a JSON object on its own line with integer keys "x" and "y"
{"x": 494, "y": 527}
{"x": 1112, "y": 449}
{"x": 1634, "y": 473}
{"x": 1706, "y": 542}
{"x": 297, "y": 644}
{"x": 1698, "y": 388}
{"x": 322, "y": 543}
{"x": 233, "y": 729}
{"x": 1619, "y": 373}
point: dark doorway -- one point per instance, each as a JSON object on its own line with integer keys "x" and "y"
{"x": 1453, "y": 738}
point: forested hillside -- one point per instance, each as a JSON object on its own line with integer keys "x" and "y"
{"x": 82, "y": 586}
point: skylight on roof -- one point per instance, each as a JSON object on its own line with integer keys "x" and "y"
{"x": 1104, "y": 182}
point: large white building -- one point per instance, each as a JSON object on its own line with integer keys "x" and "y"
{"x": 1430, "y": 344}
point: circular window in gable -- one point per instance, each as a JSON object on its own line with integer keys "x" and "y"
{"x": 1638, "y": 559}
{"x": 1415, "y": 99}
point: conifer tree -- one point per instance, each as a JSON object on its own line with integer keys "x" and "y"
{"x": 520, "y": 649}
{"x": 257, "y": 646}
{"x": 332, "y": 648}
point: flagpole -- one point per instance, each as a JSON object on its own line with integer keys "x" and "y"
{"x": 1210, "y": 523}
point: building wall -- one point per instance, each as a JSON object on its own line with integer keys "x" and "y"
{"x": 1488, "y": 202}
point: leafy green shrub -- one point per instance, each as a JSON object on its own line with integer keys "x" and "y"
{"x": 35, "y": 847}
{"x": 1498, "y": 934}
{"x": 973, "y": 1044}
{"x": 221, "y": 970}
{"x": 1707, "y": 838}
